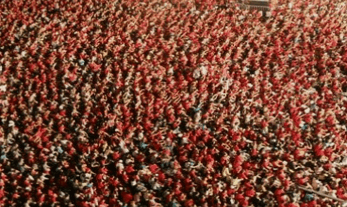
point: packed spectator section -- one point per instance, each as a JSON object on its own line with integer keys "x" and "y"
{"x": 172, "y": 103}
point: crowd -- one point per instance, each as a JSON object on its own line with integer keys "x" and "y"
{"x": 172, "y": 103}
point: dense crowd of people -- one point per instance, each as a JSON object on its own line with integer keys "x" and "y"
{"x": 172, "y": 103}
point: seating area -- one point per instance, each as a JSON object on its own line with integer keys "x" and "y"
{"x": 259, "y": 5}
{"x": 172, "y": 103}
